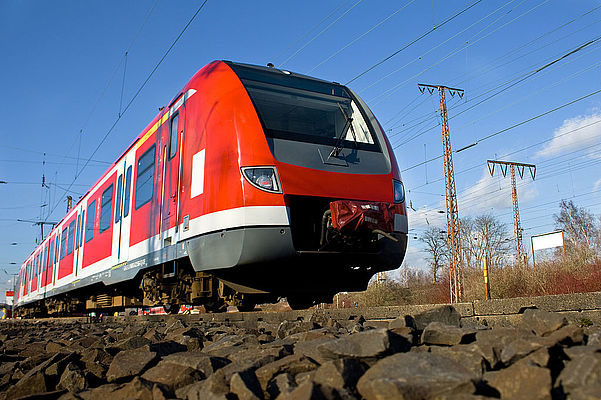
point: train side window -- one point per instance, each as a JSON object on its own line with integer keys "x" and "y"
{"x": 145, "y": 177}
{"x": 127, "y": 192}
{"x": 83, "y": 213}
{"x": 90, "y": 221}
{"x": 64, "y": 242}
{"x": 173, "y": 136}
{"x": 71, "y": 237}
{"x": 45, "y": 266}
{"x": 118, "y": 199}
{"x": 51, "y": 253}
{"x": 105, "y": 209}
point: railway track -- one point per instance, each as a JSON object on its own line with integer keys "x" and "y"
{"x": 428, "y": 351}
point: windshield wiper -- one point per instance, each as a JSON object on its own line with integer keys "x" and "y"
{"x": 339, "y": 145}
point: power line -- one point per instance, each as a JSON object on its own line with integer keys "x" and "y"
{"x": 133, "y": 99}
{"x": 423, "y": 35}
{"x": 311, "y": 30}
{"x": 361, "y": 36}
{"x": 512, "y": 126}
{"x": 320, "y": 33}
{"x": 108, "y": 83}
{"x": 443, "y": 43}
{"x": 496, "y": 65}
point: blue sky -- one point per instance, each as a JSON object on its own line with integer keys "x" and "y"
{"x": 62, "y": 78}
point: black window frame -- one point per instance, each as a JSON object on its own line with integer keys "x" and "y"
{"x": 140, "y": 182}
{"x": 118, "y": 198}
{"x": 127, "y": 192}
{"x": 90, "y": 231}
{"x": 106, "y": 200}
{"x": 173, "y": 153}
{"x": 71, "y": 238}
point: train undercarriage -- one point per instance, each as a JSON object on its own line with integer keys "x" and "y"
{"x": 169, "y": 285}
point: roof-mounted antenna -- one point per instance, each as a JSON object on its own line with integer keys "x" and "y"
{"x": 270, "y": 65}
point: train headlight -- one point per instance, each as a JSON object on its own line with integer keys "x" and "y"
{"x": 264, "y": 178}
{"x": 398, "y": 191}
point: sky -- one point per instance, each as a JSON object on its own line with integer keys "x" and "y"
{"x": 80, "y": 80}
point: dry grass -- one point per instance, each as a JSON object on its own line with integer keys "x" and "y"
{"x": 507, "y": 282}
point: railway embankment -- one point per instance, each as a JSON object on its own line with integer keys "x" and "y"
{"x": 536, "y": 348}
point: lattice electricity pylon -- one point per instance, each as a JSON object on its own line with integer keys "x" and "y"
{"x": 454, "y": 239}
{"x": 519, "y": 250}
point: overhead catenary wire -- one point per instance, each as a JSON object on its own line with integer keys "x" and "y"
{"x": 513, "y": 126}
{"x": 108, "y": 84}
{"x": 277, "y": 58}
{"x": 387, "y": 93}
{"x": 496, "y": 64}
{"x": 134, "y": 98}
{"x": 431, "y": 49}
{"x": 361, "y": 36}
{"x": 556, "y": 83}
{"x": 320, "y": 33}
{"x": 423, "y": 35}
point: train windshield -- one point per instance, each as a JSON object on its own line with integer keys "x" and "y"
{"x": 305, "y": 110}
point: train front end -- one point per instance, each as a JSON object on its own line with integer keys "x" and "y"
{"x": 327, "y": 158}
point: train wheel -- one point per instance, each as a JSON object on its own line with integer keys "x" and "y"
{"x": 171, "y": 308}
{"x": 217, "y": 305}
{"x": 246, "y": 307}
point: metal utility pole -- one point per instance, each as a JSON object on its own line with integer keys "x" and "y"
{"x": 41, "y": 225}
{"x": 454, "y": 240}
{"x": 519, "y": 250}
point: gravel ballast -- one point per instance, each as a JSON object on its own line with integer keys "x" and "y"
{"x": 413, "y": 357}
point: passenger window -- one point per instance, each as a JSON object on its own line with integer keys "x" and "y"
{"x": 118, "y": 199}
{"x": 127, "y": 192}
{"x": 105, "y": 209}
{"x": 90, "y": 221}
{"x": 45, "y": 266}
{"x": 145, "y": 177}
{"x": 173, "y": 136}
{"x": 71, "y": 237}
{"x": 64, "y": 243}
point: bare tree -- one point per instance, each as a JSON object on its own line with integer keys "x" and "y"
{"x": 436, "y": 247}
{"x": 582, "y": 232}
{"x": 482, "y": 236}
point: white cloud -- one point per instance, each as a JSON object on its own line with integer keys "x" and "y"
{"x": 575, "y": 133}
{"x": 491, "y": 192}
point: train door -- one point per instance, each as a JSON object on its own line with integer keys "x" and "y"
{"x": 50, "y": 268}
{"x": 122, "y": 205}
{"x": 173, "y": 150}
{"x": 78, "y": 236}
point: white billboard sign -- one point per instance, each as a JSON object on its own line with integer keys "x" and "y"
{"x": 547, "y": 241}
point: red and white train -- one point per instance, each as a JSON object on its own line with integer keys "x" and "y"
{"x": 253, "y": 183}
